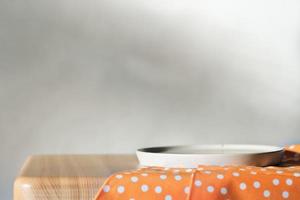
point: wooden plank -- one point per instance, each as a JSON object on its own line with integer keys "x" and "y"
{"x": 68, "y": 177}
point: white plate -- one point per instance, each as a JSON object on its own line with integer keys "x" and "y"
{"x": 195, "y": 155}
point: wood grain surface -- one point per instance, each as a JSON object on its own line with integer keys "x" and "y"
{"x": 67, "y": 177}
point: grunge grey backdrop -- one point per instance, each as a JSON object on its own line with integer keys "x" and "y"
{"x": 109, "y": 76}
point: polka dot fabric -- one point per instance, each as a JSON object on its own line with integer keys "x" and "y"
{"x": 208, "y": 182}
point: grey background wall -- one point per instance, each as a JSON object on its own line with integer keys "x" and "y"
{"x": 109, "y": 76}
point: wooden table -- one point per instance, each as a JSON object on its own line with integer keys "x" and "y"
{"x": 67, "y": 177}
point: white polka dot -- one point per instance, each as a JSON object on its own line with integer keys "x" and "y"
{"x": 187, "y": 190}
{"x": 198, "y": 183}
{"x": 291, "y": 167}
{"x": 243, "y": 186}
{"x": 235, "y": 174}
{"x": 242, "y": 169}
{"x": 263, "y": 169}
{"x": 121, "y": 189}
{"x": 207, "y": 172}
{"x": 267, "y": 193}
{"x": 119, "y": 176}
{"x": 276, "y": 181}
{"x": 134, "y": 179}
{"x": 223, "y": 190}
{"x": 253, "y": 172}
{"x": 289, "y": 181}
{"x": 285, "y": 194}
{"x": 256, "y": 184}
{"x": 220, "y": 176}
{"x": 176, "y": 170}
{"x": 279, "y": 171}
{"x": 297, "y": 174}
{"x": 292, "y": 147}
{"x": 188, "y": 170}
{"x": 163, "y": 177}
{"x": 210, "y": 188}
{"x": 131, "y": 199}
{"x": 177, "y": 177}
{"x": 144, "y": 174}
{"x": 200, "y": 168}
{"x": 106, "y": 188}
{"x": 144, "y": 188}
{"x": 158, "y": 189}
{"x": 168, "y": 197}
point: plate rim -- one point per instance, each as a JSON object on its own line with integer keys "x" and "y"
{"x": 147, "y": 150}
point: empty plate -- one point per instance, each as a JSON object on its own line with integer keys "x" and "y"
{"x": 195, "y": 155}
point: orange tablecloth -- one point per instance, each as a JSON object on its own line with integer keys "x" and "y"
{"x": 208, "y": 182}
